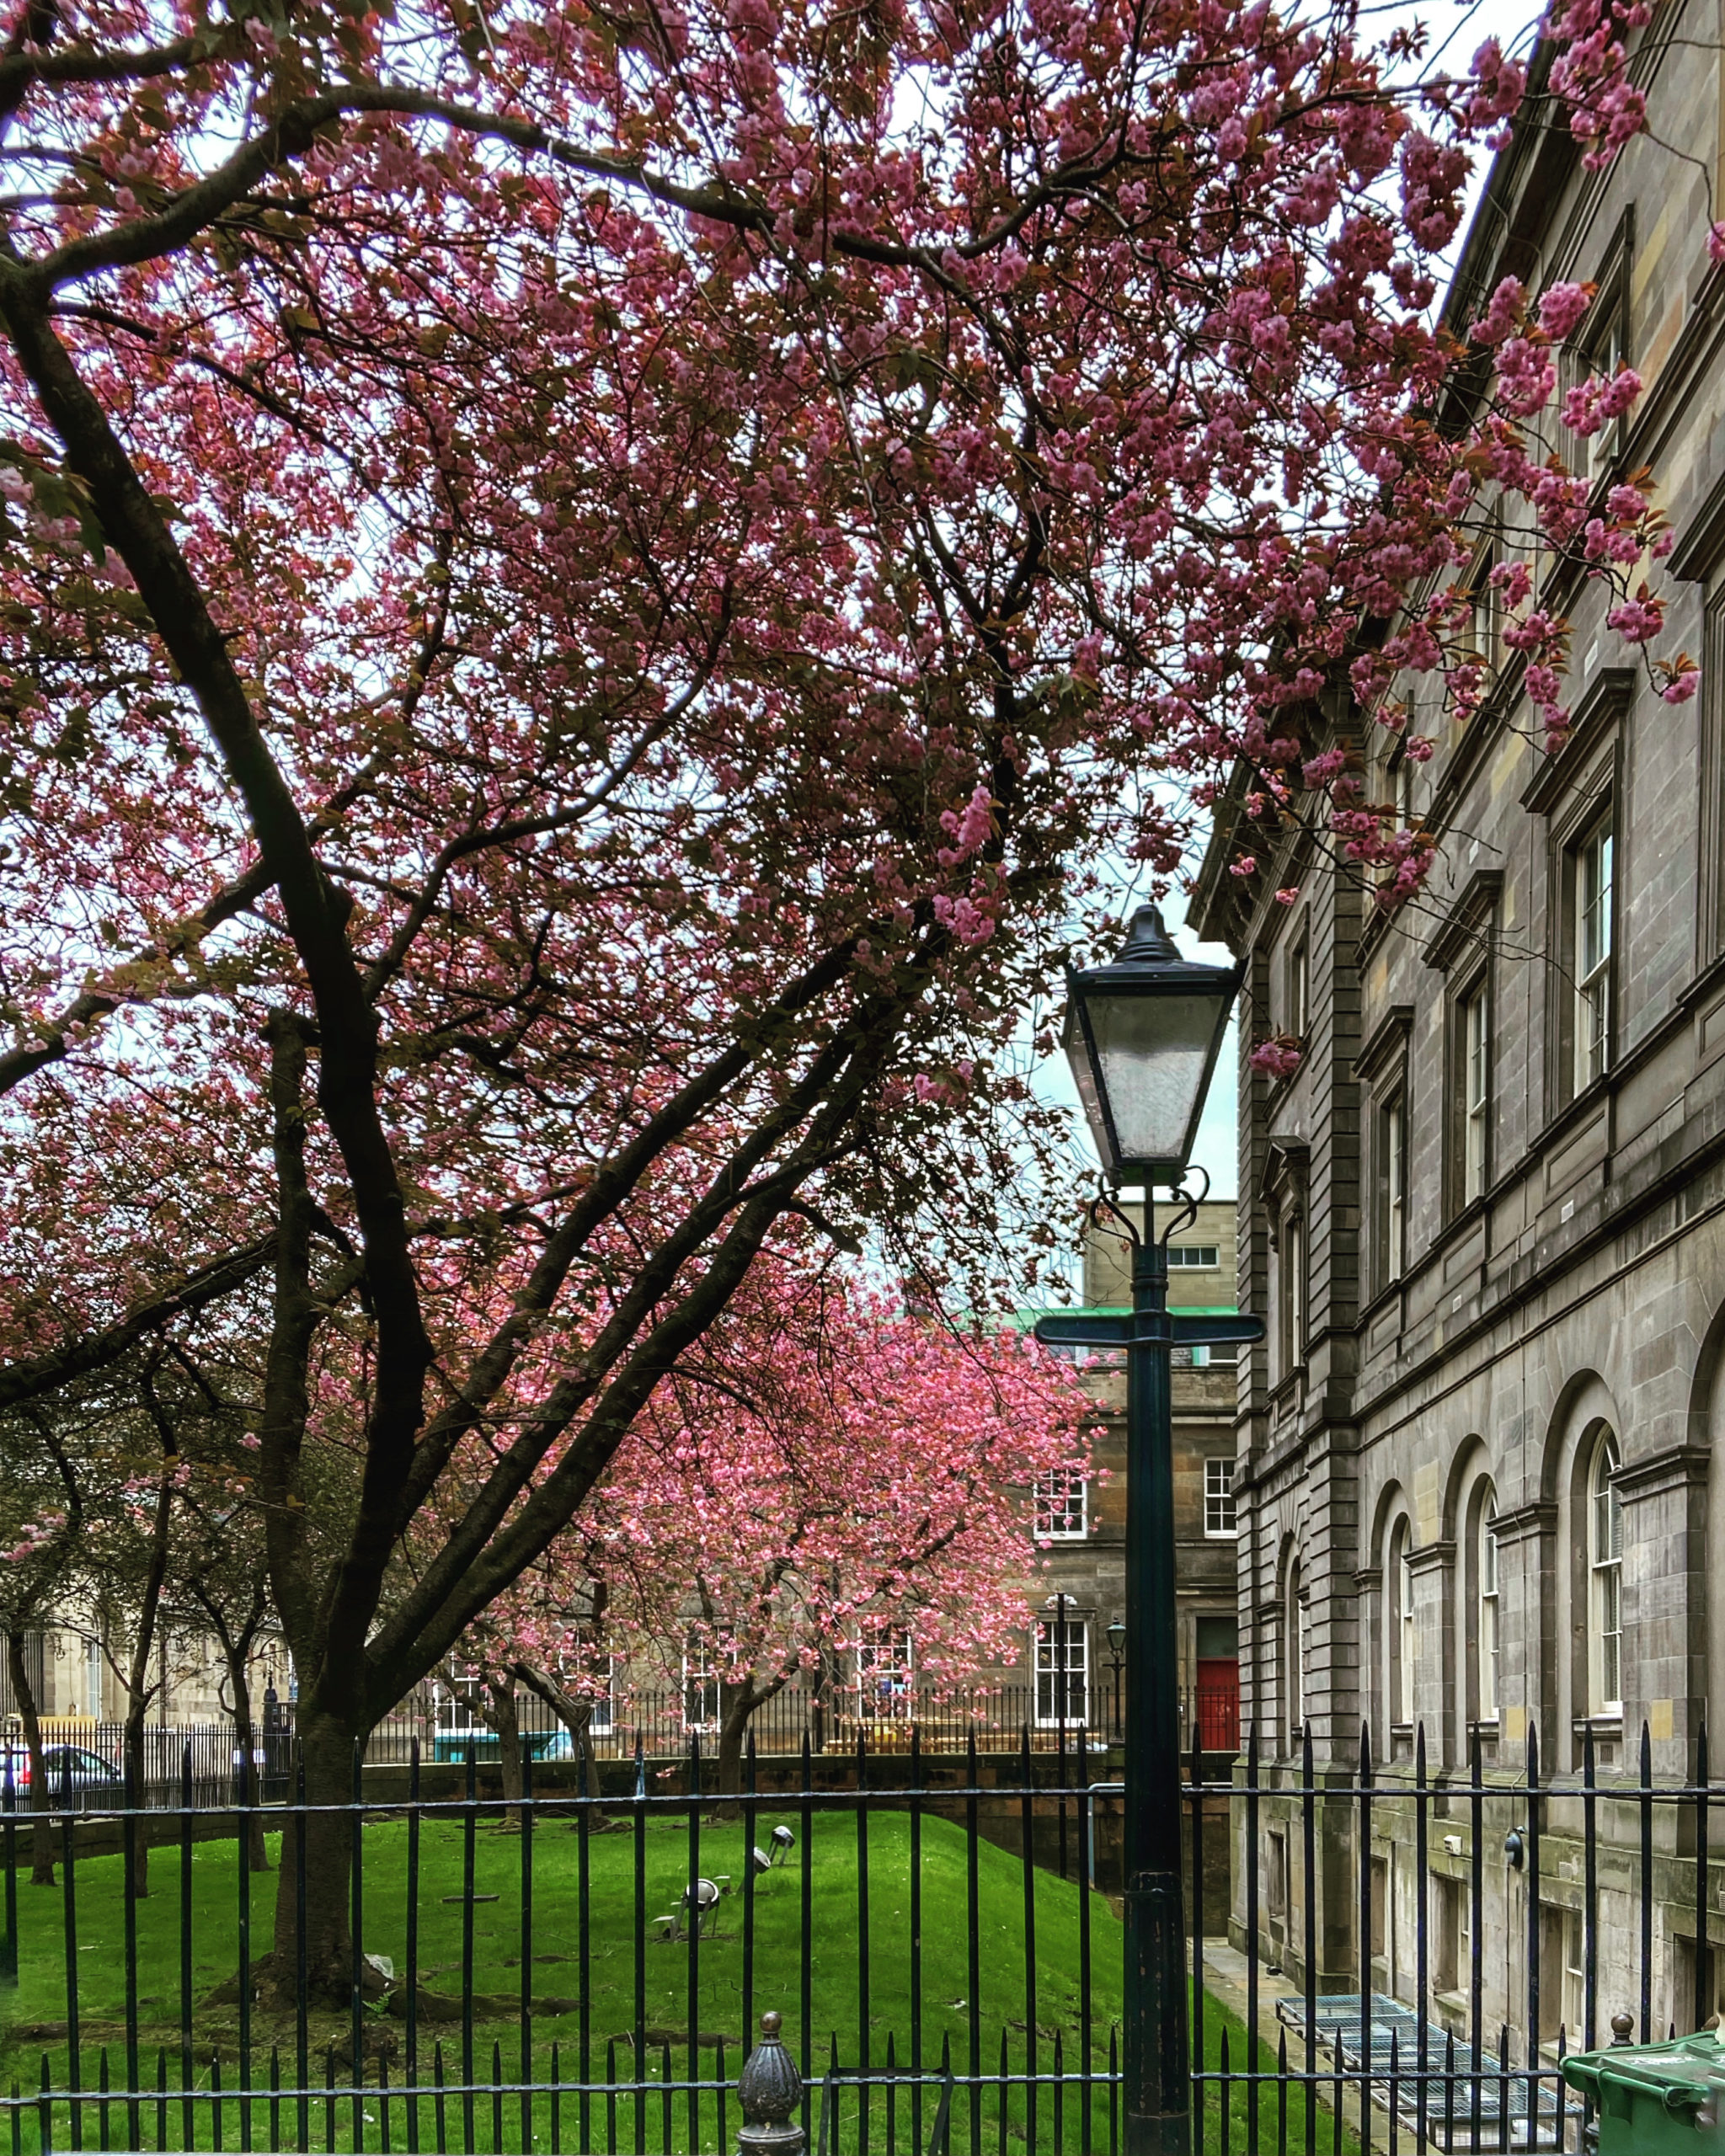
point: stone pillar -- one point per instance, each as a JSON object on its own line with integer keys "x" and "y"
{"x": 1368, "y": 1600}
{"x": 1527, "y": 1646}
{"x": 1433, "y": 1567}
{"x": 1665, "y": 1609}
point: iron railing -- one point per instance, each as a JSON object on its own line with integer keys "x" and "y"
{"x": 655, "y": 1723}
{"x": 666, "y": 1723}
{"x": 1383, "y": 1957}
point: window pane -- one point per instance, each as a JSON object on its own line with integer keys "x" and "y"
{"x": 1593, "y": 952}
{"x": 1060, "y": 1501}
{"x": 1392, "y": 1134}
{"x": 1488, "y": 1611}
{"x": 1062, "y": 1667}
{"x": 1475, "y": 1058}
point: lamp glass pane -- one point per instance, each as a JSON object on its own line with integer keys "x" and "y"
{"x": 1084, "y": 1078}
{"x": 1152, "y": 1052}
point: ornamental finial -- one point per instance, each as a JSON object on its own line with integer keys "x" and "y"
{"x": 769, "y": 2090}
{"x": 1147, "y": 938}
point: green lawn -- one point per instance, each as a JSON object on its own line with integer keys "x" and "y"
{"x": 586, "y": 2011}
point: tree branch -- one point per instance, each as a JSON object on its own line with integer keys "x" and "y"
{"x": 41, "y": 1374}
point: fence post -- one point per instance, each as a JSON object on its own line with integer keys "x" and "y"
{"x": 1622, "y": 2032}
{"x": 769, "y": 2090}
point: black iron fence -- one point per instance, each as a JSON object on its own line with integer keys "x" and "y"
{"x": 668, "y": 1723}
{"x": 84, "y": 1758}
{"x": 1383, "y": 1958}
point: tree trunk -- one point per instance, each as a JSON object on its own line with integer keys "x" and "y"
{"x": 139, "y": 1690}
{"x": 731, "y": 1730}
{"x": 589, "y": 1758}
{"x": 131, "y": 1754}
{"x": 317, "y": 1847}
{"x": 41, "y": 1834}
{"x": 502, "y": 1717}
{"x": 246, "y": 1747}
{"x": 575, "y": 1713}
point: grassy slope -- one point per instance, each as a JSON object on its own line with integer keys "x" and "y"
{"x": 33, "y": 2021}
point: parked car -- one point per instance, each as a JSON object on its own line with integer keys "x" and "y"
{"x": 86, "y": 1774}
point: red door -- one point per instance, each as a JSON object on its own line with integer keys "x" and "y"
{"x": 1218, "y": 1704}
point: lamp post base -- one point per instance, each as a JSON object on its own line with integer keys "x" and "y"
{"x": 1158, "y": 2105}
{"x": 1158, "y": 2133}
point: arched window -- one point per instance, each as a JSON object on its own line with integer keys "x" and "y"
{"x": 1402, "y": 1650}
{"x": 1293, "y": 1635}
{"x": 1605, "y": 1514}
{"x": 1486, "y": 1559}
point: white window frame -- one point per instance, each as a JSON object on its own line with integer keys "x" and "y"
{"x": 1605, "y": 1554}
{"x": 1409, "y": 1645}
{"x": 1400, "y": 1643}
{"x": 1048, "y": 1670}
{"x": 602, "y": 1709}
{"x": 574, "y": 1663}
{"x": 1476, "y": 1042}
{"x": 1600, "y": 356}
{"x": 698, "y": 1671}
{"x": 1194, "y": 1258}
{"x": 1595, "y": 857}
{"x": 1220, "y": 1518}
{"x": 1490, "y": 1620}
{"x": 1299, "y": 988}
{"x": 892, "y": 1654}
{"x": 1392, "y": 1126}
{"x": 1485, "y": 604}
{"x": 1051, "y": 1496}
{"x": 1291, "y": 1297}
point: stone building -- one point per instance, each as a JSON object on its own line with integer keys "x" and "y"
{"x": 1484, "y": 1217}
{"x": 1083, "y": 1529}
{"x": 75, "y": 1690}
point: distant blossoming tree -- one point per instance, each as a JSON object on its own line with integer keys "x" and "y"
{"x": 831, "y": 1483}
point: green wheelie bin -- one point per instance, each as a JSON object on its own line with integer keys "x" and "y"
{"x": 1648, "y": 2098}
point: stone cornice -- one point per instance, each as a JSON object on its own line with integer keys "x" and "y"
{"x": 1522, "y": 1522}
{"x": 1387, "y": 1042}
{"x": 1431, "y": 1556}
{"x": 1286, "y": 1162}
{"x": 1678, "y": 1467}
{"x": 1607, "y": 698}
{"x": 1466, "y": 919}
{"x": 1693, "y": 559}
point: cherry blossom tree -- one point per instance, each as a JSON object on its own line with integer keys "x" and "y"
{"x": 827, "y": 1476}
{"x": 823, "y": 1475}
{"x": 549, "y": 1633}
{"x": 588, "y": 587}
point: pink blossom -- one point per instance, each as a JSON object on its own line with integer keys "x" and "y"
{"x": 1637, "y": 620}
{"x": 1503, "y": 311}
{"x": 1280, "y": 1058}
{"x": 1561, "y": 306}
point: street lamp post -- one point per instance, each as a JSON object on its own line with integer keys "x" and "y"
{"x": 1117, "y": 1643}
{"x": 1143, "y": 1035}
